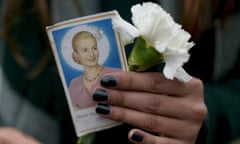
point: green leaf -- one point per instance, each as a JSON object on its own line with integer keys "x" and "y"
{"x": 143, "y": 57}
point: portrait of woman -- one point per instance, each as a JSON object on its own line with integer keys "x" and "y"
{"x": 85, "y": 50}
{"x": 86, "y": 53}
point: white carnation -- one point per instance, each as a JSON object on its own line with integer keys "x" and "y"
{"x": 159, "y": 30}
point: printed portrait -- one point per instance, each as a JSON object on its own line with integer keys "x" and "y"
{"x": 85, "y": 49}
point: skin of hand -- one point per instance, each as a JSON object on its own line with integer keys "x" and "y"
{"x": 172, "y": 109}
{"x": 12, "y": 136}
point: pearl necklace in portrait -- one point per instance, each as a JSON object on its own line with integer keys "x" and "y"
{"x": 94, "y": 78}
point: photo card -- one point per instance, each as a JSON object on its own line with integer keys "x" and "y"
{"x": 86, "y": 48}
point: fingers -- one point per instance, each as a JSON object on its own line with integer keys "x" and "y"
{"x": 149, "y": 103}
{"x": 150, "y": 82}
{"x": 137, "y": 96}
{"x": 171, "y": 127}
{"x": 153, "y": 103}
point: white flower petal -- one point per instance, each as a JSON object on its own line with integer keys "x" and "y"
{"x": 127, "y": 31}
{"x": 188, "y": 45}
{"x": 152, "y": 21}
{"x": 182, "y": 75}
{"x": 172, "y": 63}
{"x": 159, "y": 30}
{"x": 179, "y": 40}
{"x": 160, "y": 46}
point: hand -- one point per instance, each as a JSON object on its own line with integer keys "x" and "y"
{"x": 13, "y": 136}
{"x": 172, "y": 109}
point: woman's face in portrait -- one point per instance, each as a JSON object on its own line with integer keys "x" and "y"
{"x": 87, "y": 51}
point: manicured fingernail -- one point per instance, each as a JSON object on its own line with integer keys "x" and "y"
{"x": 100, "y": 95}
{"x": 137, "y": 137}
{"x": 108, "y": 81}
{"x": 103, "y": 109}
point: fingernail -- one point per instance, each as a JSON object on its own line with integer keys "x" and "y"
{"x": 137, "y": 137}
{"x": 103, "y": 109}
{"x": 108, "y": 81}
{"x": 100, "y": 95}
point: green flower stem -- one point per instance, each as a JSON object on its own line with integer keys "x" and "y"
{"x": 86, "y": 139}
{"x": 143, "y": 57}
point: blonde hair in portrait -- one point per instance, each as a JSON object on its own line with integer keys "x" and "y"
{"x": 68, "y": 50}
{"x": 81, "y": 36}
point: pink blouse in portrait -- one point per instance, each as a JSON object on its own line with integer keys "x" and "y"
{"x": 78, "y": 93}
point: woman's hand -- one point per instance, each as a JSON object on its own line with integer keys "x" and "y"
{"x": 172, "y": 109}
{"x": 13, "y": 136}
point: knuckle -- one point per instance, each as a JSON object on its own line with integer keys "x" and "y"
{"x": 151, "y": 123}
{"x": 154, "y": 82}
{"x": 197, "y": 84}
{"x": 153, "y": 105}
{"x": 200, "y": 111}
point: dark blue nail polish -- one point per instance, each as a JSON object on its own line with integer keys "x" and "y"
{"x": 100, "y": 95}
{"x": 103, "y": 109}
{"x": 137, "y": 137}
{"x": 108, "y": 81}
